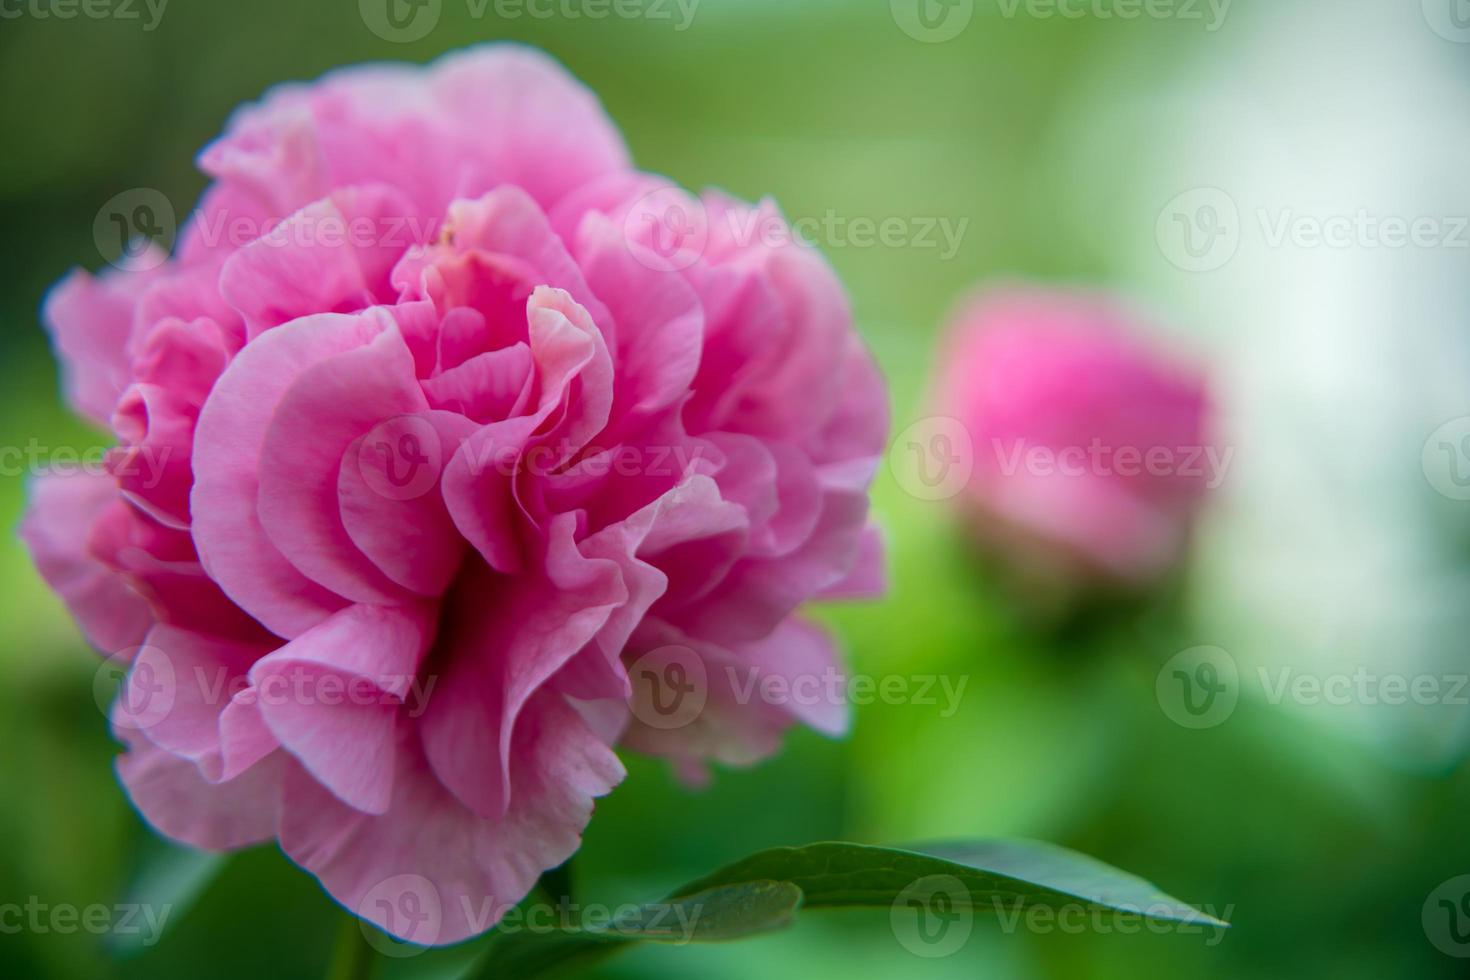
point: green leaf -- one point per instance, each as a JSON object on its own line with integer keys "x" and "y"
{"x": 169, "y": 879}
{"x": 763, "y": 891}
{"x": 994, "y": 874}
{"x": 717, "y": 914}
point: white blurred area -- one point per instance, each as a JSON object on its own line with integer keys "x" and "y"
{"x": 1329, "y": 553}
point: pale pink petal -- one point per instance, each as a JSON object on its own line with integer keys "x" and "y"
{"x": 330, "y": 406}
{"x": 476, "y": 868}
{"x": 229, "y": 439}
{"x": 57, "y": 529}
{"x": 91, "y": 325}
{"x": 173, "y": 796}
{"x": 332, "y": 697}
{"x": 390, "y": 501}
{"x": 333, "y": 256}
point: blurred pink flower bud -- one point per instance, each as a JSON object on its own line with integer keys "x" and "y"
{"x": 1091, "y": 444}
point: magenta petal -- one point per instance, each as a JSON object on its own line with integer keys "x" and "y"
{"x": 334, "y": 255}
{"x": 229, "y": 440}
{"x": 430, "y": 853}
{"x": 329, "y": 407}
{"x": 660, "y": 323}
{"x": 526, "y": 121}
{"x": 391, "y": 504}
{"x": 485, "y": 387}
{"x": 175, "y": 797}
{"x": 332, "y": 697}
{"x": 504, "y": 638}
{"x": 177, "y": 694}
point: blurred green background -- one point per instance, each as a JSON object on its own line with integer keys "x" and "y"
{"x": 1322, "y": 830}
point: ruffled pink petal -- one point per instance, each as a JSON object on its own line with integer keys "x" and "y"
{"x": 758, "y": 593}
{"x": 333, "y": 256}
{"x": 229, "y": 440}
{"x": 178, "y": 692}
{"x": 330, "y": 406}
{"x": 429, "y": 853}
{"x": 57, "y": 529}
{"x": 91, "y": 325}
{"x": 659, "y": 323}
{"x": 184, "y": 357}
{"x": 486, "y": 387}
{"x": 174, "y": 796}
{"x": 503, "y": 638}
{"x": 332, "y": 697}
{"x": 868, "y": 578}
{"x": 153, "y": 466}
{"x": 390, "y": 501}
{"x": 526, "y": 121}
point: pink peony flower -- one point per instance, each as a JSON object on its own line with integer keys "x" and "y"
{"x": 426, "y": 436}
{"x": 1089, "y": 444}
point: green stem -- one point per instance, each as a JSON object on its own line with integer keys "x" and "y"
{"x": 352, "y": 957}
